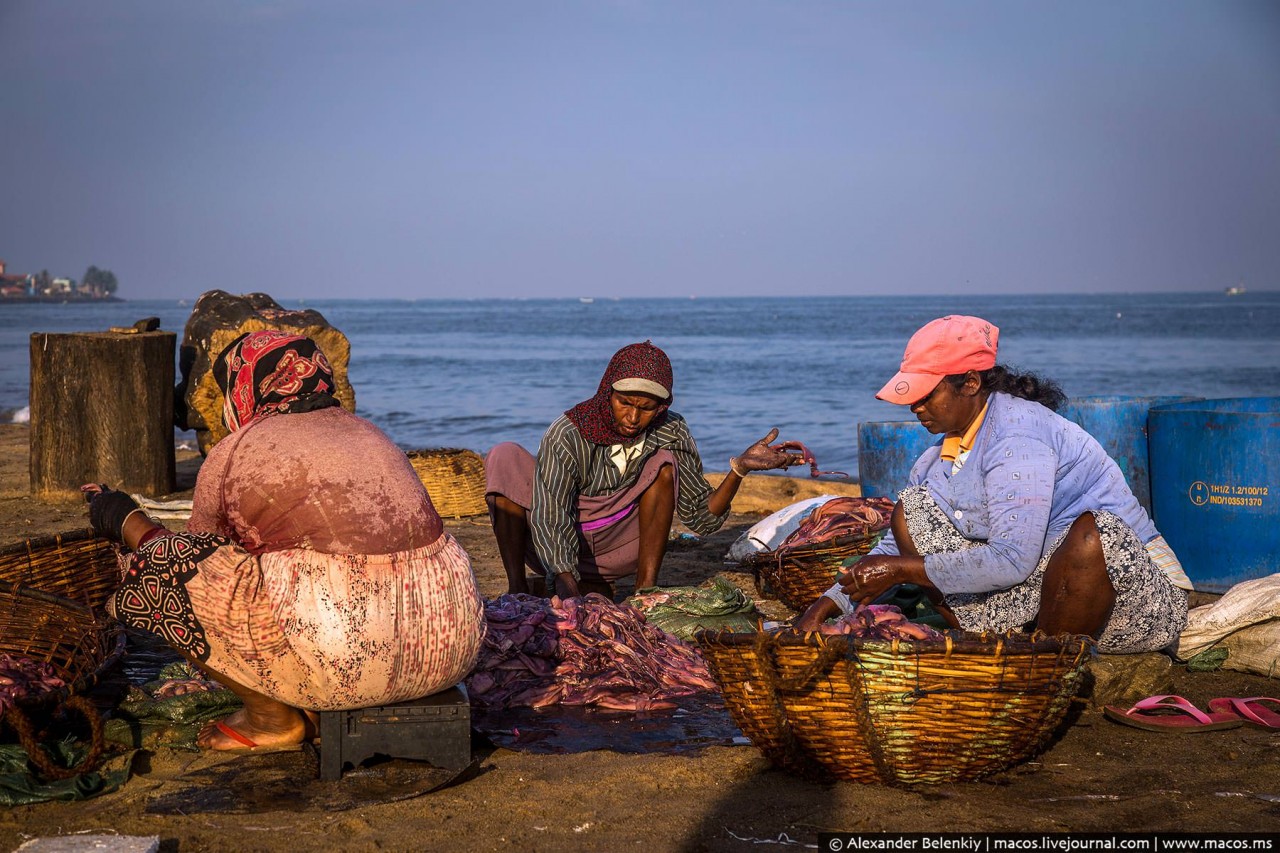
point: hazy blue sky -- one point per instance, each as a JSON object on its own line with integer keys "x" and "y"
{"x": 374, "y": 148}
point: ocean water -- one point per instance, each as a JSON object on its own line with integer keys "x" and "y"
{"x": 471, "y": 373}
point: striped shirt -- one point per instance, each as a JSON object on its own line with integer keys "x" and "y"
{"x": 569, "y": 466}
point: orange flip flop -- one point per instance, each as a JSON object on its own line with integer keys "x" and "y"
{"x": 1250, "y": 711}
{"x": 1170, "y": 713}
{"x": 234, "y": 735}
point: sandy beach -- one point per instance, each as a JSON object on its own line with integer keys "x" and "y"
{"x": 1095, "y": 776}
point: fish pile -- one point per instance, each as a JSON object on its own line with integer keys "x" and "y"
{"x": 183, "y": 686}
{"x": 879, "y": 622}
{"x": 581, "y": 651}
{"x": 23, "y": 678}
{"x": 841, "y": 517}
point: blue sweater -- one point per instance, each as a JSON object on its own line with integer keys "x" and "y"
{"x": 1030, "y": 475}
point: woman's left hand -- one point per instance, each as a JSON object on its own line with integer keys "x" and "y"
{"x": 761, "y": 456}
{"x": 108, "y": 510}
{"x": 873, "y": 576}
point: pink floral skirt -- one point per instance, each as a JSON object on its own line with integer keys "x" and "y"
{"x": 316, "y": 631}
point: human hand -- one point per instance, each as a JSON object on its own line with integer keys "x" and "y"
{"x": 567, "y": 586}
{"x": 817, "y": 613}
{"x": 762, "y": 456}
{"x": 108, "y": 510}
{"x": 871, "y": 577}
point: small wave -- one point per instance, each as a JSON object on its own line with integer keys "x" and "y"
{"x": 18, "y": 416}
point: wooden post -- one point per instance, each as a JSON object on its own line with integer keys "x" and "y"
{"x": 102, "y": 412}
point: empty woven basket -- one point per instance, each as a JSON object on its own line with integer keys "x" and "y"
{"x": 454, "y": 478}
{"x": 76, "y": 565}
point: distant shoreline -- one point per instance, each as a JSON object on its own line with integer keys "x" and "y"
{"x": 58, "y": 299}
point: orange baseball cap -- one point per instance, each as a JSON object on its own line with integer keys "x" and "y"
{"x": 944, "y": 347}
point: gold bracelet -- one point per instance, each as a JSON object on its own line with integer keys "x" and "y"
{"x": 733, "y": 466}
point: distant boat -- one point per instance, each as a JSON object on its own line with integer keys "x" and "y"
{"x": 1235, "y": 291}
{"x": 586, "y": 300}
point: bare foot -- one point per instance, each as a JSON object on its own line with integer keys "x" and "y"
{"x": 311, "y": 724}
{"x": 289, "y": 730}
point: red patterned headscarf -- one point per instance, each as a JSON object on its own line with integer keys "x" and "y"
{"x": 594, "y": 416}
{"x": 269, "y": 373}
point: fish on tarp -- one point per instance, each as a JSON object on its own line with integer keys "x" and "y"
{"x": 581, "y": 651}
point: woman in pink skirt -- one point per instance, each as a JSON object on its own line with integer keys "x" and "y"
{"x": 315, "y": 574}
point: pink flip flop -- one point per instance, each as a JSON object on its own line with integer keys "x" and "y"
{"x": 1250, "y": 711}
{"x": 1171, "y": 714}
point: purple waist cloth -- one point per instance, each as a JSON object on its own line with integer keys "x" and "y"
{"x": 597, "y": 523}
{"x": 609, "y": 536}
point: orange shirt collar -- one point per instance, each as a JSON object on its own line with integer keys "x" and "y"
{"x": 954, "y": 445}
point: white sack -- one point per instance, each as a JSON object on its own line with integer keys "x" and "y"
{"x": 1245, "y": 621}
{"x": 768, "y": 533}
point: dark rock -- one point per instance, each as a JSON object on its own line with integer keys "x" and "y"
{"x": 217, "y": 319}
{"x": 1124, "y": 679}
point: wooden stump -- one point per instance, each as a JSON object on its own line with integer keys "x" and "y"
{"x": 102, "y": 412}
{"x": 217, "y": 319}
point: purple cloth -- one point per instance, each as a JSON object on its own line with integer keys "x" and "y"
{"x": 605, "y": 550}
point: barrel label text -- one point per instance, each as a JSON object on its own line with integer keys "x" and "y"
{"x": 1227, "y": 494}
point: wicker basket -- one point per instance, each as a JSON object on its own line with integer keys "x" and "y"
{"x": 896, "y": 712}
{"x": 797, "y": 576}
{"x": 454, "y": 478}
{"x": 77, "y": 642}
{"x": 75, "y": 565}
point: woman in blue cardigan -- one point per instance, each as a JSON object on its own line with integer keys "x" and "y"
{"x": 1017, "y": 518}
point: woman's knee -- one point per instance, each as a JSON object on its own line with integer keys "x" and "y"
{"x": 1079, "y": 565}
{"x": 1083, "y": 542}
{"x": 663, "y": 487}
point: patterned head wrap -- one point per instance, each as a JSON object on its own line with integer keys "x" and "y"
{"x": 269, "y": 373}
{"x": 594, "y": 416}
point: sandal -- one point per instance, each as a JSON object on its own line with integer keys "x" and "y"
{"x": 1171, "y": 714}
{"x": 1250, "y": 711}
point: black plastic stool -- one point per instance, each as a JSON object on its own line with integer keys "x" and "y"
{"x": 435, "y": 728}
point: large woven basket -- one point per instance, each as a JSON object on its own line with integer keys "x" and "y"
{"x": 797, "y": 576}
{"x": 79, "y": 643}
{"x": 75, "y": 565}
{"x": 896, "y": 712}
{"x": 454, "y": 478}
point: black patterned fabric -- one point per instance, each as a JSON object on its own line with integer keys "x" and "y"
{"x": 1149, "y": 612}
{"x": 271, "y": 372}
{"x": 153, "y": 596}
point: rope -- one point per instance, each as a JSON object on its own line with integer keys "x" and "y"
{"x": 39, "y": 756}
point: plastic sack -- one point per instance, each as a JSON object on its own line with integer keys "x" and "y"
{"x": 768, "y": 533}
{"x": 1245, "y": 622}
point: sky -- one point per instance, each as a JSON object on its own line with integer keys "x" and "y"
{"x": 626, "y": 148}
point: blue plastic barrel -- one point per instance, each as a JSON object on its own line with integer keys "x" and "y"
{"x": 886, "y": 452}
{"x": 1215, "y": 487}
{"x": 1120, "y": 426}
